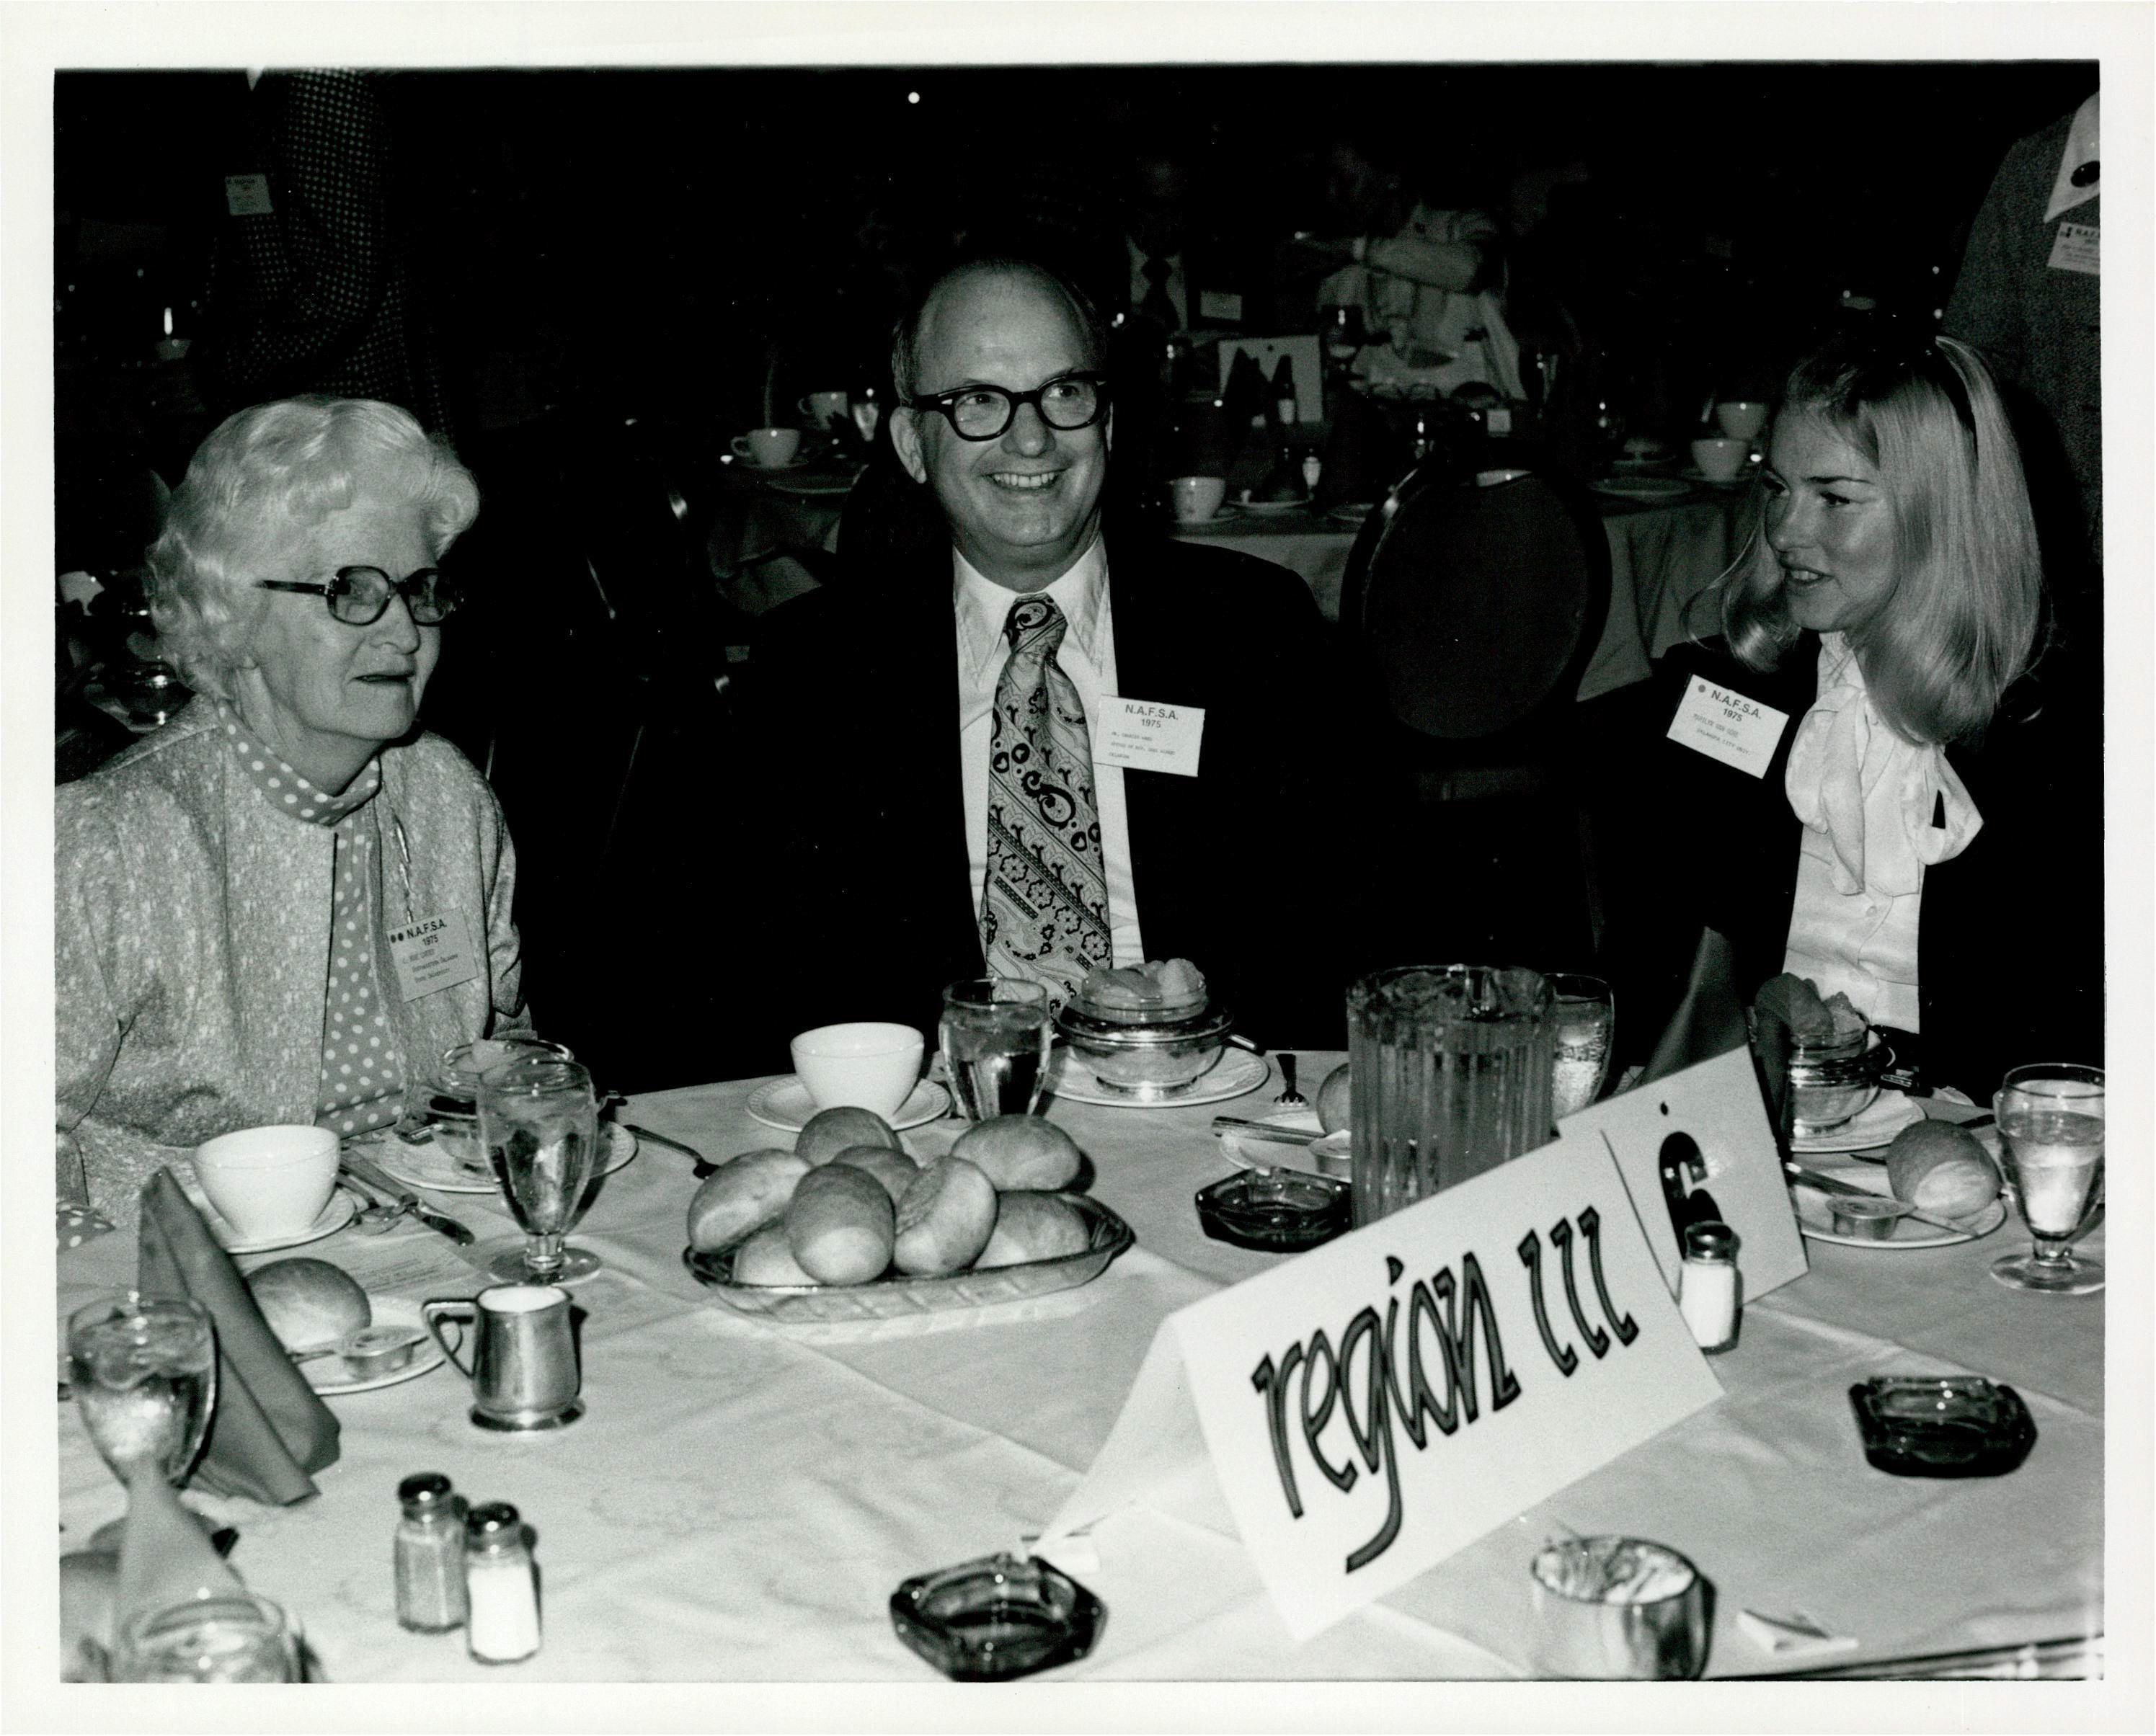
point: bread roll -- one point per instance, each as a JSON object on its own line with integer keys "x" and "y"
{"x": 308, "y": 1303}
{"x": 1939, "y": 1168}
{"x": 840, "y": 1225}
{"x": 895, "y": 1170}
{"x": 743, "y": 1195}
{"x": 945, "y": 1218}
{"x": 766, "y": 1259}
{"x": 1034, "y": 1226}
{"x": 1020, "y": 1151}
{"x": 828, "y": 1132}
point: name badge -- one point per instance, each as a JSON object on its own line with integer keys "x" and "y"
{"x": 1220, "y": 304}
{"x": 247, "y": 194}
{"x": 2074, "y": 249}
{"x": 1144, "y": 736}
{"x": 433, "y": 954}
{"x": 1723, "y": 724}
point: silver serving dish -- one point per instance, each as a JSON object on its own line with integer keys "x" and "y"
{"x": 889, "y": 1299}
{"x": 1834, "y": 1082}
{"x": 1144, "y": 1054}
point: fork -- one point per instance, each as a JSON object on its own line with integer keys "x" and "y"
{"x": 1290, "y": 1099}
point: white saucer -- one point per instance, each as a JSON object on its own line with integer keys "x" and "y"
{"x": 1272, "y": 508}
{"x": 1236, "y": 1072}
{"x": 1222, "y": 517}
{"x": 326, "y": 1373}
{"x": 1694, "y": 473}
{"x": 786, "y": 1104}
{"x": 1815, "y": 1219}
{"x": 430, "y": 1164}
{"x": 1642, "y": 488}
{"x": 331, "y": 1218}
{"x": 1887, "y": 1115}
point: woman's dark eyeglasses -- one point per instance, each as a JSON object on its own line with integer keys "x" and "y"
{"x": 1067, "y": 402}
{"x": 359, "y": 596}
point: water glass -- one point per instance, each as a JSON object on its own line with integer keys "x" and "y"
{"x": 144, "y": 1372}
{"x": 995, "y": 1038}
{"x": 229, "y": 1636}
{"x": 2051, "y": 1136}
{"x": 1583, "y": 1015}
{"x": 538, "y": 1119}
{"x": 1452, "y": 1069}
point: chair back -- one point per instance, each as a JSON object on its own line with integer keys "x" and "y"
{"x": 1476, "y": 594}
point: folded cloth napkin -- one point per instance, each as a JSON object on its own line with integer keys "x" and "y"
{"x": 268, "y": 1429}
{"x": 1709, "y": 1020}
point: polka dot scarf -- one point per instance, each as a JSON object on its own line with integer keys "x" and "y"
{"x": 362, "y": 1078}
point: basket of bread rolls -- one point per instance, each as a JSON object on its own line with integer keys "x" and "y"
{"x": 847, "y": 1226}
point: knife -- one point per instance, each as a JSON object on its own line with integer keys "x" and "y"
{"x": 705, "y": 1167}
{"x": 378, "y": 1178}
{"x": 1273, "y": 1130}
{"x": 1828, "y": 1184}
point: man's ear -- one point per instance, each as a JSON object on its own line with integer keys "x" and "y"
{"x": 905, "y": 441}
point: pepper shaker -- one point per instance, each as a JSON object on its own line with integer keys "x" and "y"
{"x": 1709, "y": 1287}
{"x": 429, "y": 1555}
{"x": 503, "y": 1624}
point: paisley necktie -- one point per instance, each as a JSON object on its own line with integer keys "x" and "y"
{"x": 1045, "y": 906}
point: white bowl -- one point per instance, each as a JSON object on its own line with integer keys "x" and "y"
{"x": 866, "y": 1065}
{"x": 269, "y": 1181}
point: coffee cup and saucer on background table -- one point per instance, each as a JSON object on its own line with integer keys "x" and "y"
{"x": 1720, "y": 458}
{"x": 867, "y": 1064}
{"x": 269, "y": 1187}
{"x": 825, "y": 411}
{"x": 768, "y": 449}
{"x": 1741, "y": 418}
{"x": 1200, "y": 500}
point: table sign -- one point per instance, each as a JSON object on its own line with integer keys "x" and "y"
{"x": 1695, "y": 1145}
{"x": 1374, "y": 1406}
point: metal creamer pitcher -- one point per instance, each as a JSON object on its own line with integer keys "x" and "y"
{"x": 523, "y": 1368}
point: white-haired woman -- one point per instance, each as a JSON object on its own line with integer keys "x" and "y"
{"x": 1922, "y": 832}
{"x": 279, "y": 904}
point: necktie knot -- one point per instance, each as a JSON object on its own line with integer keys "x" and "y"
{"x": 1034, "y": 627}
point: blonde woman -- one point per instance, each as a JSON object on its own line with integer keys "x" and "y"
{"x": 1915, "y": 819}
{"x": 243, "y": 895}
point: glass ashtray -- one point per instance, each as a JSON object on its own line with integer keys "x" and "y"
{"x": 1275, "y": 1211}
{"x": 997, "y": 1618}
{"x": 1942, "y": 1425}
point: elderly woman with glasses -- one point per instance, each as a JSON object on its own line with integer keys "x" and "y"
{"x": 288, "y": 899}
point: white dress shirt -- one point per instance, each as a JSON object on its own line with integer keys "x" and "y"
{"x": 1087, "y": 656}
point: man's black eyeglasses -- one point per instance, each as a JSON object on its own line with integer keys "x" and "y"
{"x": 359, "y": 596}
{"x": 1067, "y": 402}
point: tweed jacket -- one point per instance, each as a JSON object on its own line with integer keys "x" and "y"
{"x": 192, "y": 946}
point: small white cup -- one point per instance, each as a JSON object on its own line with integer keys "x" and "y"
{"x": 269, "y": 1181}
{"x": 768, "y": 446}
{"x": 1198, "y": 497}
{"x": 824, "y": 408}
{"x": 1723, "y": 460}
{"x": 1742, "y": 418}
{"x": 867, "y": 1065}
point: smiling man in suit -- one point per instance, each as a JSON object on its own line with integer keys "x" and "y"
{"x": 1030, "y": 751}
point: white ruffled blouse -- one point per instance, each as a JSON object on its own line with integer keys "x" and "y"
{"x": 1877, "y": 810}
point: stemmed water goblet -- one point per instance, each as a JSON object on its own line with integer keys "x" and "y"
{"x": 1583, "y": 1017}
{"x": 2050, "y": 1138}
{"x": 143, "y": 1370}
{"x": 995, "y": 1039}
{"x": 538, "y": 1120}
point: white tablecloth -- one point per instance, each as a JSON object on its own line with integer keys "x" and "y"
{"x": 742, "y": 1498}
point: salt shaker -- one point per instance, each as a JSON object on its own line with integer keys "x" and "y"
{"x": 1708, "y": 1287}
{"x": 429, "y": 1556}
{"x": 503, "y": 1624}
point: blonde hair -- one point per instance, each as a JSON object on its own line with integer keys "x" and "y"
{"x": 1958, "y": 625}
{"x": 265, "y": 476}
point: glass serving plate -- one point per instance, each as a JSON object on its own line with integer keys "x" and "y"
{"x": 887, "y": 1298}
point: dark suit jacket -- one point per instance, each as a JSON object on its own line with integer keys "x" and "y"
{"x": 851, "y": 698}
{"x": 2010, "y": 946}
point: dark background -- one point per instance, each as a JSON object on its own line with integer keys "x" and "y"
{"x": 617, "y": 263}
